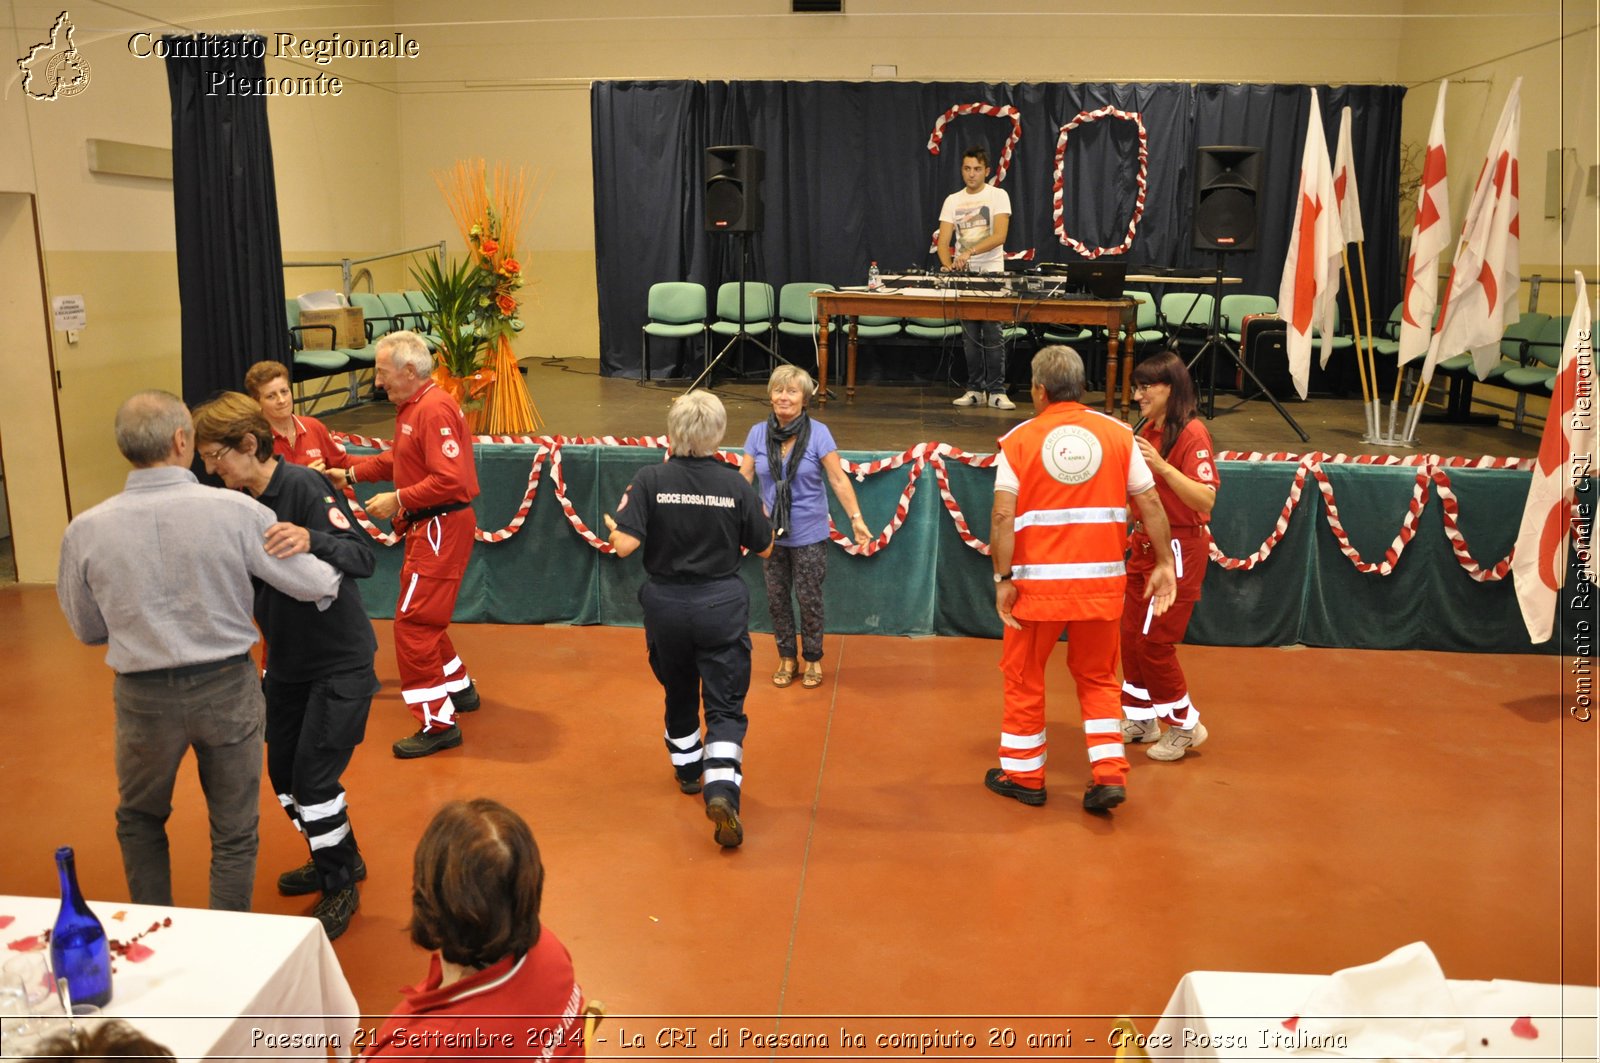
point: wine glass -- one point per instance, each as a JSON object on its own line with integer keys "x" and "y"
{"x": 18, "y": 1029}
{"x": 31, "y": 972}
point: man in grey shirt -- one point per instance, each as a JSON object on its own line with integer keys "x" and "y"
{"x": 160, "y": 575}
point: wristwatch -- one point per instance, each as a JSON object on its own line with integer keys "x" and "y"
{"x": 1001, "y": 577}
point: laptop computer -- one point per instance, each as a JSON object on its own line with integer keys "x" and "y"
{"x": 1102, "y": 280}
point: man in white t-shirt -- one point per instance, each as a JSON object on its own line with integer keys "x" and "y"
{"x": 975, "y": 221}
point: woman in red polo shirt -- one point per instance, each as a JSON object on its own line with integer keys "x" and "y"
{"x": 1179, "y": 451}
{"x": 302, "y": 440}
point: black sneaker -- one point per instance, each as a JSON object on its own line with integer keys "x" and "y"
{"x": 466, "y": 700}
{"x": 686, "y": 786}
{"x": 335, "y": 909}
{"x": 303, "y": 879}
{"x": 425, "y": 743}
{"x": 1103, "y": 797}
{"x": 730, "y": 832}
{"x": 997, "y": 780}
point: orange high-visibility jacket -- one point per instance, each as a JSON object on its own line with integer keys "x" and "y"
{"x": 1071, "y": 526}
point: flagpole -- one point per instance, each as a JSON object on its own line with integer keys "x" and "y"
{"x": 1355, "y": 328}
{"x": 1372, "y": 356}
{"x": 1394, "y": 400}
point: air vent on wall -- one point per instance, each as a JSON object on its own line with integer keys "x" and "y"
{"x": 817, "y": 7}
{"x": 129, "y": 160}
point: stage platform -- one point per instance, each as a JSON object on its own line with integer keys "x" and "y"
{"x": 577, "y": 401}
{"x": 1314, "y": 546}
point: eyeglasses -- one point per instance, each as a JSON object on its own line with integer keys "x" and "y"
{"x": 1137, "y": 387}
{"x": 211, "y": 458}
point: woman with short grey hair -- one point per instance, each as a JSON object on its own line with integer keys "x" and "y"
{"x": 695, "y": 424}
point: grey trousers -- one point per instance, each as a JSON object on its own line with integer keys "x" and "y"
{"x": 219, "y": 713}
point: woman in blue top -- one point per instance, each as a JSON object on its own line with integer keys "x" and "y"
{"x": 786, "y": 457}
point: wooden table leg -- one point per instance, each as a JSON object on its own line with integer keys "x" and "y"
{"x": 850, "y": 364}
{"x": 1113, "y": 345}
{"x": 1127, "y": 371}
{"x": 822, "y": 359}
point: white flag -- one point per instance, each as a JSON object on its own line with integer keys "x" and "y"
{"x": 1482, "y": 298}
{"x": 1310, "y": 285}
{"x": 1344, "y": 184}
{"x": 1430, "y": 235}
{"x": 1568, "y": 452}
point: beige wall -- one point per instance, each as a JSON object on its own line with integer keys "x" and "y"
{"x": 110, "y": 239}
{"x": 35, "y": 488}
{"x": 1551, "y": 45}
{"x": 355, "y": 173}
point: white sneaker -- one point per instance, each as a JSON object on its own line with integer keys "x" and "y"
{"x": 1176, "y": 742}
{"x": 971, "y": 398}
{"x": 1140, "y": 731}
{"x": 1001, "y": 401}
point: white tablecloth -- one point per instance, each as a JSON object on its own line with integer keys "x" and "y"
{"x": 229, "y": 984}
{"x": 1226, "y": 1015}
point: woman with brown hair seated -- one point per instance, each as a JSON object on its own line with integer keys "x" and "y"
{"x": 498, "y": 983}
{"x": 299, "y": 438}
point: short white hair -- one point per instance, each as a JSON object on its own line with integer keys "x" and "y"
{"x": 408, "y": 350}
{"x": 792, "y": 374}
{"x": 695, "y": 423}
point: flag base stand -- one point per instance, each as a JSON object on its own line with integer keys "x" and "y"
{"x": 1389, "y": 441}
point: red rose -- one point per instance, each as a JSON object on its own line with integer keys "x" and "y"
{"x": 488, "y": 246}
{"x": 507, "y": 304}
{"x": 510, "y": 267}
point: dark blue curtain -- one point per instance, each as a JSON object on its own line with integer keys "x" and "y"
{"x": 850, "y": 180}
{"x": 225, "y": 207}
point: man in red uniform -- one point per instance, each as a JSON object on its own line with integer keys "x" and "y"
{"x": 435, "y": 481}
{"x": 1059, "y": 536}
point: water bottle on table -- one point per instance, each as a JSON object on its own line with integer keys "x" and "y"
{"x": 874, "y": 282}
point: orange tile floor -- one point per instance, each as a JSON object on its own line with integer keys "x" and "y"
{"x": 1347, "y": 803}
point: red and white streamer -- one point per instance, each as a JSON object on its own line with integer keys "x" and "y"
{"x": 1430, "y": 468}
{"x": 936, "y": 142}
{"x": 1084, "y": 118}
{"x": 936, "y": 139}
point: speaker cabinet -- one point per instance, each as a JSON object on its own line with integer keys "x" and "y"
{"x": 1226, "y": 211}
{"x": 733, "y": 188}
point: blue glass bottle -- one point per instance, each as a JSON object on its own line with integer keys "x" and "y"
{"x": 79, "y": 949}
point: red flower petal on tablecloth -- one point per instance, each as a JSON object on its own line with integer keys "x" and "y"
{"x": 1525, "y": 1029}
{"x": 27, "y": 944}
{"x": 1291, "y": 1022}
{"x": 7, "y": 920}
{"x": 138, "y": 953}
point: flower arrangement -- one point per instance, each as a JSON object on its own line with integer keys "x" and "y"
{"x": 488, "y": 213}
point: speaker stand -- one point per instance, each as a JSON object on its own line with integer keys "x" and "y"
{"x": 1215, "y": 341}
{"x": 741, "y": 334}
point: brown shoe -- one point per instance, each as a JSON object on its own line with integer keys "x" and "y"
{"x": 729, "y": 832}
{"x": 787, "y": 669}
{"x": 813, "y": 677}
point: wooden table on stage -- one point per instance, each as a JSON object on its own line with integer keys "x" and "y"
{"x": 1116, "y": 316}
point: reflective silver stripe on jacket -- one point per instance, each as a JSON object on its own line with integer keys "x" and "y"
{"x": 1083, "y": 570}
{"x": 1074, "y": 515}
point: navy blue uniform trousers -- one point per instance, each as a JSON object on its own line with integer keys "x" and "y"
{"x": 698, "y": 635}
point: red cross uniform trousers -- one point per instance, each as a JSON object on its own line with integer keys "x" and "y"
{"x": 1073, "y": 470}
{"x": 436, "y": 479}
{"x": 1153, "y": 683}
